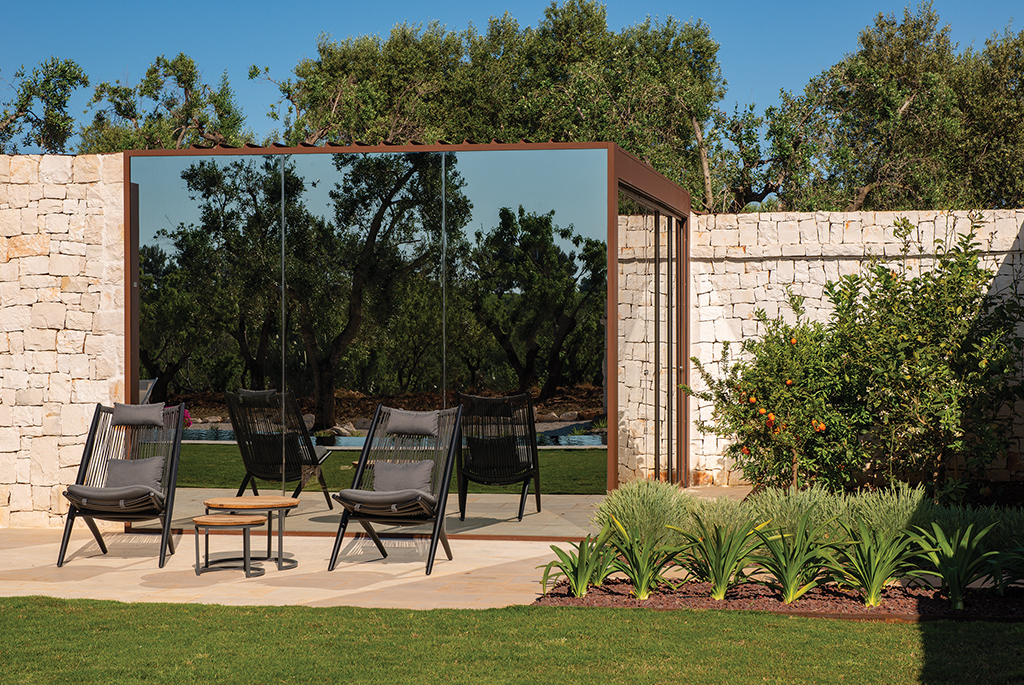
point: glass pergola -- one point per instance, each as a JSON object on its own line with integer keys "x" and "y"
{"x": 428, "y": 268}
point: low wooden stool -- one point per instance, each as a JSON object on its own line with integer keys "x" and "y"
{"x": 228, "y": 522}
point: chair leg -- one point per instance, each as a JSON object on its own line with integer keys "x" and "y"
{"x": 373, "y": 536}
{"x": 438, "y": 534}
{"x": 166, "y": 540}
{"x": 463, "y": 484}
{"x": 245, "y": 482}
{"x": 337, "y": 541}
{"x": 95, "y": 533}
{"x": 522, "y": 499}
{"x": 536, "y": 486}
{"x": 323, "y": 486}
{"x": 67, "y": 535}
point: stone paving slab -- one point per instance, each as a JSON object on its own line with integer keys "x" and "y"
{"x": 483, "y": 573}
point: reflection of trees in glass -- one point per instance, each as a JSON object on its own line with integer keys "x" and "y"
{"x": 386, "y": 228}
{"x": 532, "y": 295}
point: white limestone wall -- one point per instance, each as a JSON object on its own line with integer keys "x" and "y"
{"x": 740, "y": 263}
{"x": 644, "y": 386}
{"x": 61, "y": 321}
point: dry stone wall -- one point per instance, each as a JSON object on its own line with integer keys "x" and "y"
{"x": 61, "y": 321}
{"x": 741, "y": 263}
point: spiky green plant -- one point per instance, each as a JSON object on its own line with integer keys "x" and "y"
{"x": 642, "y": 560}
{"x": 586, "y": 565}
{"x": 873, "y": 559}
{"x": 957, "y": 559}
{"x": 719, "y": 554}
{"x": 796, "y": 562}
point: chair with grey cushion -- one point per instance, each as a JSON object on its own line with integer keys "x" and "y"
{"x": 128, "y": 472}
{"x": 268, "y": 452}
{"x": 402, "y": 476}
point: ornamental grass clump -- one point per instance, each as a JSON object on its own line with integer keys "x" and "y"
{"x": 646, "y": 507}
{"x": 719, "y": 554}
{"x": 583, "y": 566}
{"x": 797, "y": 561}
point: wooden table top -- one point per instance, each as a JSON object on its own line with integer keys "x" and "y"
{"x": 253, "y": 502}
{"x": 214, "y": 520}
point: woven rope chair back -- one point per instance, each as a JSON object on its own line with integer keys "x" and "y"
{"x": 499, "y": 440}
{"x": 107, "y": 441}
{"x": 384, "y": 446}
{"x": 256, "y": 418}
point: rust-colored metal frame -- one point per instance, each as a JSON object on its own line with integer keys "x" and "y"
{"x": 624, "y": 171}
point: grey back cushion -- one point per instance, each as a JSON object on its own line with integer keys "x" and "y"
{"x": 138, "y": 414}
{"x": 413, "y": 475}
{"x": 402, "y": 422}
{"x": 128, "y": 472}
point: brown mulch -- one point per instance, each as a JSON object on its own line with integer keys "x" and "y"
{"x": 898, "y": 603}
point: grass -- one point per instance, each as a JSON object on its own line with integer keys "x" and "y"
{"x": 85, "y": 641}
{"x": 562, "y": 472}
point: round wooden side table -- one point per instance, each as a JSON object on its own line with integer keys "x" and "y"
{"x": 269, "y": 504}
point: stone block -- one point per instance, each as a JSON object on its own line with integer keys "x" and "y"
{"x": 108, "y": 322}
{"x": 55, "y": 169}
{"x": 86, "y": 169}
{"x": 788, "y": 232}
{"x": 79, "y": 321}
{"x": 48, "y": 315}
{"x": 28, "y": 246}
{"x": 29, "y": 519}
{"x": 24, "y": 169}
{"x": 76, "y": 418}
{"x": 15, "y": 318}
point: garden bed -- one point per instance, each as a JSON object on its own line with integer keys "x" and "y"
{"x": 899, "y": 603}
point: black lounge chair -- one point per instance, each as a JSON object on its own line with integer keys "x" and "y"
{"x": 256, "y": 421}
{"x": 499, "y": 446}
{"x": 128, "y": 472}
{"x": 403, "y": 475}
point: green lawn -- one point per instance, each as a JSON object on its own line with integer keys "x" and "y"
{"x": 80, "y": 641}
{"x": 562, "y": 472}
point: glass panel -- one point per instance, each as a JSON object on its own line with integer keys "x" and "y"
{"x": 371, "y": 308}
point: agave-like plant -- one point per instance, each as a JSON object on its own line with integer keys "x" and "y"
{"x": 958, "y": 560}
{"x": 1006, "y": 568}
{"x": 643, "y": 561}
{"x": 796, "y": 562}
{"x": 873, "y": 559}
{"x": 585, "y": 565}
{"x": 719, "y": 554}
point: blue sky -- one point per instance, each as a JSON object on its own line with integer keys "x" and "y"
{"x": 764, "y": 46}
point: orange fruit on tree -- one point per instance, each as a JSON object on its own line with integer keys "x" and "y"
{"x": 753, "y": 399}
{"x": 792, "y": 341}
{"x": 789, "y": 382}
{"x": 761, "y": 410}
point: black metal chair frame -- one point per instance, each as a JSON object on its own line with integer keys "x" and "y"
{"x": 256, "y": 420}
{"x": 106, "y": 442}
{"x": 414, "y": 510}
{"x": 499, "y": 446}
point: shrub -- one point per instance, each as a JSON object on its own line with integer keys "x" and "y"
{"x": 957, "y": 559}
{"x": 912, "y": 380}
{"x": 647, "y": 507}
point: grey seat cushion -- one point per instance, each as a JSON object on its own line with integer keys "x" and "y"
{"x": 127, "y": 492}
{"x": 386, "y": 499}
